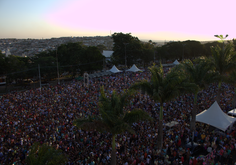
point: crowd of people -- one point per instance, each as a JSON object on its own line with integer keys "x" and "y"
{"x": 46, "y": 115}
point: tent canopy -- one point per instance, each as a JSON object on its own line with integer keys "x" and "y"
{"x": 114, "y": 69}
{"x": 215, "y": 117}
{"x": 232, "y": 112}
{"x": 176, "y": 62}
{"x": 172, "y": 123}
{"x": 134, "y": 69}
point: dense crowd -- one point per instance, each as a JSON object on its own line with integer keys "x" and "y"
{"x": 46, "y": 116}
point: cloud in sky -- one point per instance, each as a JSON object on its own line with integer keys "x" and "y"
{"x": 190, "y": 18}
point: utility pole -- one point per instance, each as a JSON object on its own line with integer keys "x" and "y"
{"x": 39, "y": 77}
{"x": 125, "y": 55}
{"x": 104, "y": 64}
{"x": 183, "y": 52}
{"x": 125, "y": 60}
{"x": 154, "y": 55}
{"x": 58, "y": 80}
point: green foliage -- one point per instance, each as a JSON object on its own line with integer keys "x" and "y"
{"x": 3, "y": 64}
{"x": 113, "y": 117}
{"x": 134, "y": 49}
{"x": 172, "y": 50}
{"x": 75, "y": 56}
{"x": 163, "y": 88}
{"x": 208, "y": 46}
{"x": 14, "y": 66}
{"x": 223, "y": 59}
{"x": 178, "y": 50}
{"x": 45, "y": 155}
{"x": 125, "y": 44}
{"x": 221, "y": 37}
{"x": 101, "y": 48}
{"x": 48, "y": 65}
{"x": 200, "y": 74}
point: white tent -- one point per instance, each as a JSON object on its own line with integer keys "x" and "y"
{"x": 172, "y": 123}
{"x": 176, "y": 62}
{"x": 134, "y": 69}
{"x": 232, "y": 112}
{"x": 215, "y": 117}
{"x": 115, "y": 70}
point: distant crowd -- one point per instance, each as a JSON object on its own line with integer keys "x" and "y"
{"x": 46, "y": 116}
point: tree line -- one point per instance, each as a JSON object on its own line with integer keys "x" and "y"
{"x": 69, "y": 57}
{"x": 137, "y": 51}
{"x": 76, "y": 58}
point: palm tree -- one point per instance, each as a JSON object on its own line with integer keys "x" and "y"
{"x": 200, "y": 75}
{"x": 45, "y": 155}
{"x": 223, "y": 60}
{"x": 163, "y": 88}
{"x": 113, "y": 117}
{"x": 231, "y": 79}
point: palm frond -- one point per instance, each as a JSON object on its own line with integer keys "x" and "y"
{"x": 91, "y": 123}
{"x": 136, "y": 115}
{"x": 122, "y": 127}
{"x": 44, "y": 154}
{"x": 144, "y": 86}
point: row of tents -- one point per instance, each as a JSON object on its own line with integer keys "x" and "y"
{"x": 114, "y": 70}
{"x": 134, "y": 68}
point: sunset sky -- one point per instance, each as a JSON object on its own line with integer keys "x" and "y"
{"x": 149, "y": 19}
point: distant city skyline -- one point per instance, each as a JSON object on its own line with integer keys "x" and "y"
{"x": 148, "y": 20}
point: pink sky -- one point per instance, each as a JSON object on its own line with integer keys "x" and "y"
{"x": 145, "y": 19}
{"x": 190, "y": 18}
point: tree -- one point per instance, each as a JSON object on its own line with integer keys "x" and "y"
{"x": 113, "y": 117}
{"x": 200, "y": 75}
{"x": 101, "y": 48}
{"x": 2, "y": 64}
{"x": 126, "y": 45}
{"x": 174, "y": 50}
{"x": 14, "y": 68}
{"x": 223, "y": 61}
{"x": 93, "y": 59}
{"x": 231, "y": 79}
{"x": 147, "y": 52}
{"x": 207, "y": 46}
{"x": 163, "y": 88}
{"x": 47, "y": 64}
{"x": 193, "y": 49}
{"x": 75, "y": 56}
{"x": 45, "y": 155}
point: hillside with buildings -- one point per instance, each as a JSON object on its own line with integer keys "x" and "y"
{"x": 30, "y": 47}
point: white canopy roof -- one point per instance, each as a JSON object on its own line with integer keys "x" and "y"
{"x": 107, "y": 53}
{"x": 176, "y": 62}
{"x": 232, "y": 112}
{"x": 215, "y": 117}
{"x": 172, "y": 123}
{"x": 114, "y": 69}
{"x": 134, "y": 69}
